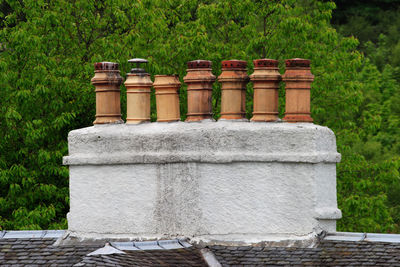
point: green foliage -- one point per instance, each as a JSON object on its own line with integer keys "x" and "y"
{"x": 47, "y": 53}
{"x": 368, "y": 178}
{"x": 376, "y": 24}
{"x": 368, "y": 193}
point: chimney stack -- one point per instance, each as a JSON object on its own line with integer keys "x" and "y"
{"x": 233, "y": 81}
{"x": 298, "y": 79}
{"x": 167, "y": 97}
{"x": 265, "y": 80}
{"x": 199, "y": 80}
{"x": 138, "y": 87}
{"x": 225, "y": 182}
{"x": 107, "y": 81}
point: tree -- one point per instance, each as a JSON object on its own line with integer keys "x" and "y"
{"x": 374, "y": 142}
{"x": 46, "y": 63}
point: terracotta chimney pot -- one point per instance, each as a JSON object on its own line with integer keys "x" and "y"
{"x": 167, "y": 97}
{"x": 265, "y": 80}
{"x": 233, "y": 81}
{"x": 298, "y": 79}
{"x": 107, "y": 81}
{"x": 138, "y": 87}
{"x": 199, "y": 80}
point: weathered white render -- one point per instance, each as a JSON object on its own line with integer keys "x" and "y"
{"x": 210, "y": 181}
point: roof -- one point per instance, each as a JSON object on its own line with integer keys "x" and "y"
{"x": 40, "y": 251}
{"x": 39, "y": 248}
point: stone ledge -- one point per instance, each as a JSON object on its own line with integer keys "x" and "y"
{"x": 165, "y": 157}
{"x": 207, "y": 142}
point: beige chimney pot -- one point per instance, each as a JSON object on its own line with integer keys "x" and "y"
{"x": 167, "y": 97}
{"x": 138, "y": 87}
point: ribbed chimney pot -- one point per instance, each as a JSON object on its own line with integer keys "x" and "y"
{"x": 233, "y": 81}
{"x": 167, "y": 97}
{"x": 265, "y": 80}
{"x": 298, "y": 79}
{"x": 199, "y": 80}
{"x": 138, "y": 87}
{"x": 107, "y": 81}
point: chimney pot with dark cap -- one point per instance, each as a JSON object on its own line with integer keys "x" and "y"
{"x": 138, "y": 87}
{"x": 199, "y": 80}
{"x": 107, "y": 81}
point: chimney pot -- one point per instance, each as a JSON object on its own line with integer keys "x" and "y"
{"x": 199, "y": 80}
{"x": 298, "y": 79}
{"x": 265, "y": 80}
{"x": 107, "y": 81}
{"x": 167, "y": 97}
{"x": 233, "y": 81}
{"x": 138, "y": 87}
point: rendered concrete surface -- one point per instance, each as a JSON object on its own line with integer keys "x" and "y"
{"x": 210, "y": 181}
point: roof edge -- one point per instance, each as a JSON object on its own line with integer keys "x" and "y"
{"x": 360, "y": 237}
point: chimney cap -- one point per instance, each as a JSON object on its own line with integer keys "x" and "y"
{"x": 234, "y": 64}
{"x": 199, "y": 64}
{"x": 297, "y": 62}
{"x": 138, "y": 61}
{"x": 106, "y": 66}
{"x": 265, "y": 62}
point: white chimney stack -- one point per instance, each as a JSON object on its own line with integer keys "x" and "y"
{"x": 211, "y": 181}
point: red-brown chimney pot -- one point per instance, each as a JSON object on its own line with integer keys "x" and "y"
{"x": 233, "y": 81}
{"x": 107, "y": 81}
{"x": 199, "y": 80}
{"x": 265, "y": 80}
{"x": 298, "y": 79}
